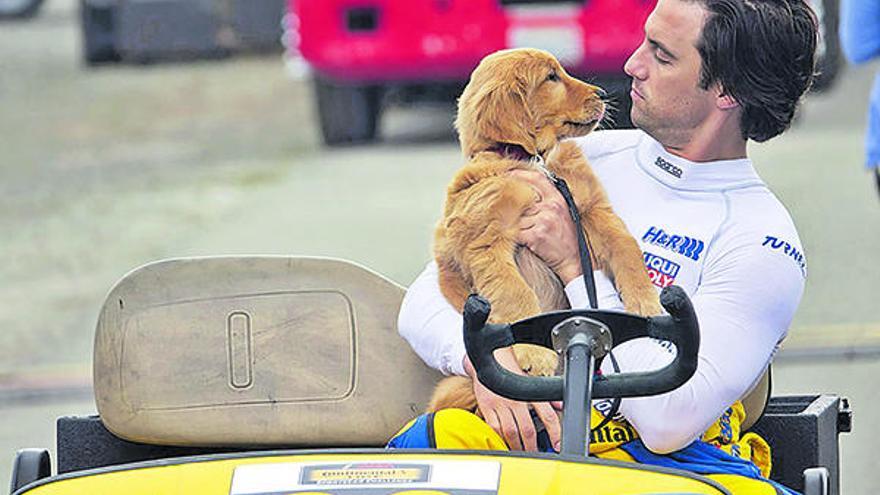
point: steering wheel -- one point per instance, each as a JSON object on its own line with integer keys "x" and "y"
{"x": 582, "y": 336}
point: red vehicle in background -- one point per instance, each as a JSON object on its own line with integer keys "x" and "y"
{"x": 362, "y": 51}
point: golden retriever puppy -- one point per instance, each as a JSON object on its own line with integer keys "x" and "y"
{"x": 514, "y": 113}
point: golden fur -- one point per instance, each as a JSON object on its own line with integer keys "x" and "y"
{"x": 524, "y": 97}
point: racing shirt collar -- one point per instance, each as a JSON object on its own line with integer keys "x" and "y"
{"x": 679, "y": 173}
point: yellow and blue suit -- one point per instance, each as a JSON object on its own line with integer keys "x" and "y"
{"x": 740, "y": 462}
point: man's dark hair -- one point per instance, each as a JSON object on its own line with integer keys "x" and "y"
{"x": 763, "y": 54}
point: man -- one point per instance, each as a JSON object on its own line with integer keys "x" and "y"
{"x": 709, "y": 75}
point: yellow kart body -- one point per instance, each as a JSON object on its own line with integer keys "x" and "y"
{"x": 377, "y": 472}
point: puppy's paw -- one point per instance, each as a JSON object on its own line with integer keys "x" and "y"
{"x": 647, "y": 303}
{"x": 536, "y": 360}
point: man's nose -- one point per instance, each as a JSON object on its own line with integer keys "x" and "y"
{"x": 634, "y": 66}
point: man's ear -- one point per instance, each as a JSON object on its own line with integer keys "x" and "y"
{"x": 724, "y": 101}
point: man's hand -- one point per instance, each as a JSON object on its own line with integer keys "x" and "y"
{"x": 547, "y": 228}
{"x": 511, "y": 419}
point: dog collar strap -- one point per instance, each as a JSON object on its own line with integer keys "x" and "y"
{"x": 517, "y": 152}
{"x": 583, "y": 243}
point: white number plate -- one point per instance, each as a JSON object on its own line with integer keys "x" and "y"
{"x": 372, "y": 477}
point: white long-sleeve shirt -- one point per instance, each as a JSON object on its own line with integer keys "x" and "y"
{"x": 714, "y": 229}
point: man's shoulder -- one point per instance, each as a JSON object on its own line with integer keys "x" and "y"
{"x": 599, "y": 144}
{"x": 758, "y": 223}
{"x": 757, "y": 208}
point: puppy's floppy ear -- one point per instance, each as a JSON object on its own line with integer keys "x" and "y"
{"x": 495, "y": 110}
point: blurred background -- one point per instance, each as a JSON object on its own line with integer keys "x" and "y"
{"x": 132, "y": 131}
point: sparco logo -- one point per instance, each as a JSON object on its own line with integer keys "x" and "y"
{"x": 668, "y": 167}
{"x": 680, "y": 244}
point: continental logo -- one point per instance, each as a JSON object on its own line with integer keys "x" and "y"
{"x": 668, "y": 167}
{"x": 365, "y": 474}
{"x": 620, "y": 433}
{"x": 681, "y": 244}
{"x": 787, "y": 249}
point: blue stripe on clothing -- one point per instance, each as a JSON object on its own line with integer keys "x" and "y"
{"x": 418, "y": 436}
{"x": 701, "y": 458}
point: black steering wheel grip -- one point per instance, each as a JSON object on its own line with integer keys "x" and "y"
{"x": 680, "y": 327}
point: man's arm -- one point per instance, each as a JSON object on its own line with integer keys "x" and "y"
{"x": 431, "y": 325}
{"x": 744, "y": 304}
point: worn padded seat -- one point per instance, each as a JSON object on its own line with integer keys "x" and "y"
{"x": 238, "y": 351}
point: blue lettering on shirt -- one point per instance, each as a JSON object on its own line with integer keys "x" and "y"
{"x": 776, "y": 244}
{"x": 684, "y": 245}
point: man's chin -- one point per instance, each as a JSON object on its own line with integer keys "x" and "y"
{"x": 644, "y": 122}
{"x": 637, "y": 118}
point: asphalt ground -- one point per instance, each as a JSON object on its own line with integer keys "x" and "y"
{"x": 104, "y": 170}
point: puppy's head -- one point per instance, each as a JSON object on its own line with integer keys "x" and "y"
{"x": 524, "y": 97}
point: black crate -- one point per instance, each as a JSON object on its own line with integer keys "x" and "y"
{"x": 803, "y": 433}
{"x": 84, "y": 443}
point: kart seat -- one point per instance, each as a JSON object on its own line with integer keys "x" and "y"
{"x": 256, "y": 351}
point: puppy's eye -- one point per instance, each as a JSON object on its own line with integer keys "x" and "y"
{"x": 553, "y": 76}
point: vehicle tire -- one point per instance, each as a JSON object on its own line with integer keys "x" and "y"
{"x": 349, "y": 114}
{"x": 828, "y": 51}
{"x": 98, "y": 31}
{"x": 29, "y": 465}
{"x": 19, "y": 9}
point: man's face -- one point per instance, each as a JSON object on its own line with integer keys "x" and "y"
{"x": 668, "y": 103}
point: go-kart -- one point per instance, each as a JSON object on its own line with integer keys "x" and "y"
{"x": 271, "y": 375}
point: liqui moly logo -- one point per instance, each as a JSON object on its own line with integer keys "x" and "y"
{"x": 687, "y": 246}
{"x": 661, "y": 271}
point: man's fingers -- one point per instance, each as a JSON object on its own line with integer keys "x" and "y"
{"x": 551, "y": 423}
{"x": 536, "y": 229}
{"x": 531, "y": 211}
{"x": 499, "y": 413}
{"x": 526, "y": 427}
{"x": 491, "y": 419}
{"x": 508, "y": 428}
